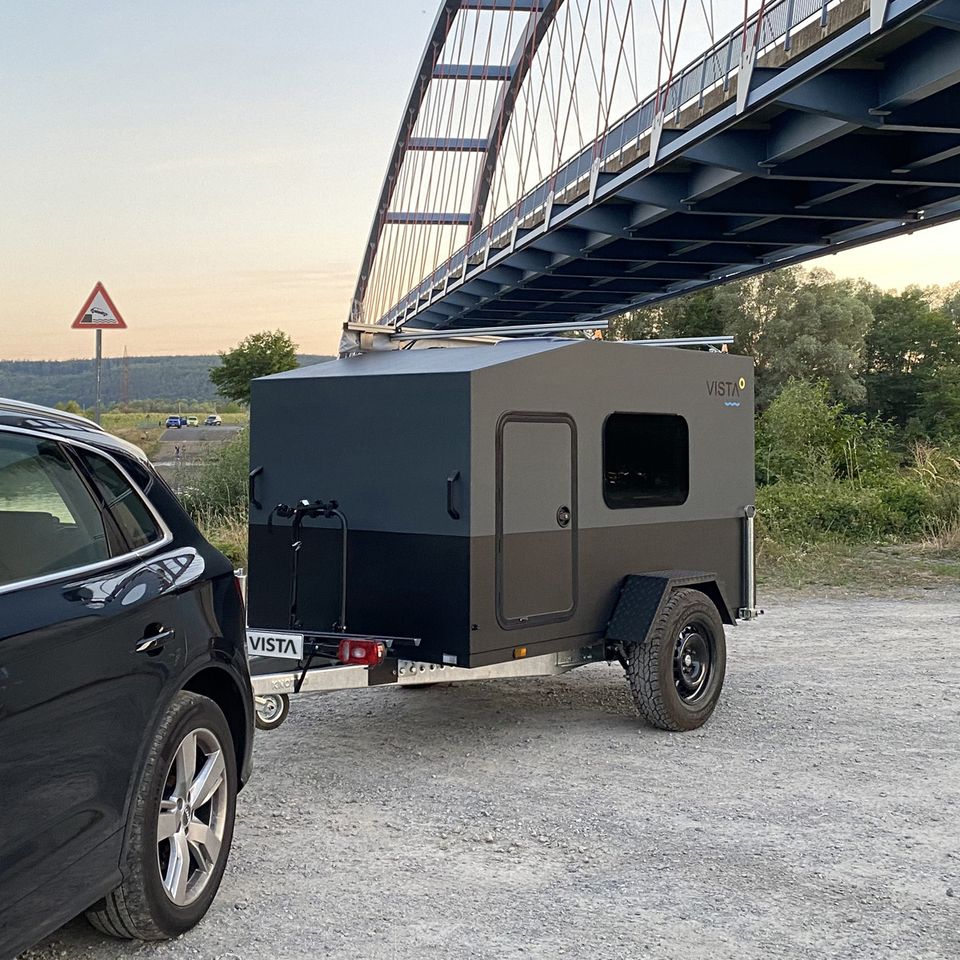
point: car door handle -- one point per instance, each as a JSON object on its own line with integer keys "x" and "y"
{"x": 154, "y": 641}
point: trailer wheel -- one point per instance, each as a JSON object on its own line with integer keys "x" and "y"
{"x": 271, "y": 710}
{"x": 676, "y": 674}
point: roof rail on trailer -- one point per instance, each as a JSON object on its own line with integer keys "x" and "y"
{"x": 358, "y": 337}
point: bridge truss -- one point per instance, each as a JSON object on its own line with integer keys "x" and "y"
{"x": 536, "y": 180}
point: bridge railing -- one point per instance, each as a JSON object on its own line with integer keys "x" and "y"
{"x": 698, "y": 89}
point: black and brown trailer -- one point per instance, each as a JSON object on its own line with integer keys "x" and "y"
{"x": 505, "y": 501}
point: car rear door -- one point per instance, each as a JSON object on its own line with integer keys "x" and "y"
{"x": 89, "y": 645}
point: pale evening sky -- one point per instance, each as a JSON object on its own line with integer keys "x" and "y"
{"x": 216, "y": 165}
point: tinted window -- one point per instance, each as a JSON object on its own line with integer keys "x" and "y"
{"x": 125, "y": 505}
{"x": 49, "y": 522}
{"x": 646, "y": 460}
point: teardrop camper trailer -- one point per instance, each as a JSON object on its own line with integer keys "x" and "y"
{"x": 509, "y": 509}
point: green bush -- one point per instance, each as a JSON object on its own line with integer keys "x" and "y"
{"x": 219, "y": 484}
{"x": 898, "y": 507}
{"x": 829, "y": 475}
{"x": 803, "y": 437}
{"x": 215, "y": 495}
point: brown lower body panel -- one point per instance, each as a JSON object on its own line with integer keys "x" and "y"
{"x": 605, "y": 556}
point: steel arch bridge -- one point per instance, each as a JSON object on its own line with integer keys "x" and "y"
{"x": 561, "y": 161}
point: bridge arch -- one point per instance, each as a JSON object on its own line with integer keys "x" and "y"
{"x": 540, "y": 14}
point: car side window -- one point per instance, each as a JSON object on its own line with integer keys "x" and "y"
{"x": 49, "y": 521}
{"x": 125, "y": 505}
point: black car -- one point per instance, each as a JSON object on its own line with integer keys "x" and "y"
{"x": 126, "y": 719}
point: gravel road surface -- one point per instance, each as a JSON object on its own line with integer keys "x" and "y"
{"x": 817, "y": 815}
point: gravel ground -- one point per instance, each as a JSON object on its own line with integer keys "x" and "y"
{"x": 816, "y": 815}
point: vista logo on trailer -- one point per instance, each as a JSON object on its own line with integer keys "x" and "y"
{"x": 727, "y": 388}
{"x": 261, "y": 643}
{"x": 99, "y": 313}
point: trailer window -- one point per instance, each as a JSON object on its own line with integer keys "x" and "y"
{"x": 646, "y": 460}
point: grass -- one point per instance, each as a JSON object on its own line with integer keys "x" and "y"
{"x": 145, "y": 429}
{"x": 114, "y": 420}
{"x": 930, "y": 563}
{"x": 216, "y": 496}
{"x": 227, "y": 531}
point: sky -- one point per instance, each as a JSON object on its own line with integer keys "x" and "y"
{"x": 216, "y": 165}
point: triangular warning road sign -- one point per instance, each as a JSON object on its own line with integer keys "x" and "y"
{"x": 98, "y": 313}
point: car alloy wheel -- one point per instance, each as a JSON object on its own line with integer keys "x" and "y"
{"x": 193, "y": 817}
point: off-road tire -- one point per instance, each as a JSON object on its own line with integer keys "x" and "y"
{"x": 139, "y": 909}
{"x": 650, "y": 665}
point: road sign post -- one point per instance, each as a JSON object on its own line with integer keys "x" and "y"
{"x": 99, "y": 314}
{"x": 99, "y": 362}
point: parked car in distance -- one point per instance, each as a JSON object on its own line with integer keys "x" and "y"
{"x": 213, "y": 421}
{"x": 176, "y": 422}
{"x": 193, "y": 421}
{"x": 126, "y": 719}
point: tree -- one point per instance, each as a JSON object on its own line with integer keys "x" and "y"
{"x": 794, "y": 323}
{"x": 910, "y": 352}
{"x": 939, "y": 411}
{"x": 815, "y": 333}
{"x": 645, "y": 323}
{"x": 258, "y": 355}
{"x": 703, "y": 314}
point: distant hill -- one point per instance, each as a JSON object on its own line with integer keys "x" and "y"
{"x": 166, "y": 379}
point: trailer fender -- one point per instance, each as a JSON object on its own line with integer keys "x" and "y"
{"x": 642, "y": 596}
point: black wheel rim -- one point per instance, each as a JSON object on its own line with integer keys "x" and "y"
{"x": 693, "y": 659}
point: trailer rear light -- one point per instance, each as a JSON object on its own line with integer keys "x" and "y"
{"x": 366, "y": 652}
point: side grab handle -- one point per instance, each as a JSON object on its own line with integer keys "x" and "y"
{"x": 252, "y": 487}
{"x": 451, "y": 484}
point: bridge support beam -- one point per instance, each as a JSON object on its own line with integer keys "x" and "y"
{"x": 945, "y": 14}
{"x": 878, "y": 14}
{"x": 748, "y": 59}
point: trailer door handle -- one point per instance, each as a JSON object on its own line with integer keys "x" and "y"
{"x": 451, "y": 482}
{"x": 252, "y": 486}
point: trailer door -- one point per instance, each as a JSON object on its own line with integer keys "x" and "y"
{"x": 536, "y": 519}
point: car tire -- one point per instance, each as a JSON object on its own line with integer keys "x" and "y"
{"x": 170, "y": 883}
{"x": 677, "y": 673}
